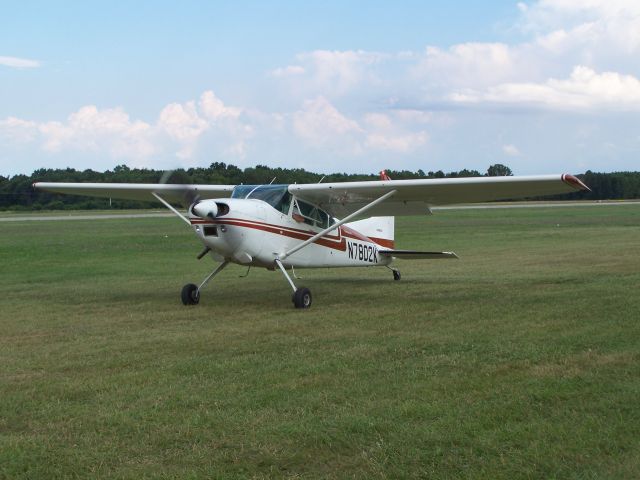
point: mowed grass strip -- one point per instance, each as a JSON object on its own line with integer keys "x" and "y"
{"x": 521, "y": 360}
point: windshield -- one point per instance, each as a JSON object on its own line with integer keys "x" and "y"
{"x": 277, "y": 196}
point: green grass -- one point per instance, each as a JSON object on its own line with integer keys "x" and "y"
{"x": 521, "y": 360}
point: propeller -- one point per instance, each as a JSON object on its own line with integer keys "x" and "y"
{"x": 191, "y": 197}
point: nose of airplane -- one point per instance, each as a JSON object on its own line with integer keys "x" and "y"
{"x": 205, "y": 209}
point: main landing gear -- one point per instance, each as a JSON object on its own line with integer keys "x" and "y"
{"x": 396, "y": 273}
{"x": 191, "y": 293}
{"x": 301, "y": 296}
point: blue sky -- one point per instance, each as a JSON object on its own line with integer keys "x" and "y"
{"x": 543, "y": 86}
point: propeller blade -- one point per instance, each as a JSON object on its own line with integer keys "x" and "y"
{"x": 190, "y": 196}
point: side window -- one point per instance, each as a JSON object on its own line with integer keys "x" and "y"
{"x": 311, "y": 215}
{"x": 303, "y": 211}
{"x": 284, "y": 203}
{"x": 322, "y": 218}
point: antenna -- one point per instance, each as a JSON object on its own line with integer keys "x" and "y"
{"x": 272, "y": 180}
{"x": 323, "y": 177}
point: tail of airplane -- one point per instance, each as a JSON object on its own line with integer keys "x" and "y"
{"x": 379, "y": 229}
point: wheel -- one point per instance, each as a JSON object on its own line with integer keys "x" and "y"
{"x": 396, "y": 275}
{"x": 190, "y": 294}
{"x": 302, "y": 298}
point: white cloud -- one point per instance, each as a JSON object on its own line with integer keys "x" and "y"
{"x": 15, "y": 62}
{"x": 182, "y": 121}
{"x": 462, "y": 64}
{"x": 385, "y": 133}
{"x": 591, "y": 30}
{"x": 320, "y": 123}
{"x": 401, "y": 143}
{"x": 213, "y": 108}
{"x": 331, "y": 72}
{"x": 90, "y": 129}
{"x": 178, "y": 129}
{"x": 183, "y": 124}
{"x": 511, "y": 150}
{"x": 322, "y": 126}
{"x": 18, "y": 130}
{"x": 287, "y": 71}
{"x": 583, "y": 90}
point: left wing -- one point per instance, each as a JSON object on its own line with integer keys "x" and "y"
{"x": 413, "y": 197}
{"x": 138, "y": 191}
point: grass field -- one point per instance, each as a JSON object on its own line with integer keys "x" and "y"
{"x": 521, "y": 360}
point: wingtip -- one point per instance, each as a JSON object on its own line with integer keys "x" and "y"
{"x": 574, "y": 182}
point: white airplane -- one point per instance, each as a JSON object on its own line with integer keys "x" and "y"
{"x": 297, "y": 226}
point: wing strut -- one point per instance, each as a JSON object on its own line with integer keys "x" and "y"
{"x": 336, "y": 225}
{"x": 168, "y": 205}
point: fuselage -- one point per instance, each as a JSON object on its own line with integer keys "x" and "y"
{"x": 253, "y": 231}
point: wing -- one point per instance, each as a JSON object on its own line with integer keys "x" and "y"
{"x": 137, "y": 191}
{"x": 414, "y": 197}
{"x": 416, "y": 255}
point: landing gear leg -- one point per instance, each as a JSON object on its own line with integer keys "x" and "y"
{"x": 396, "y": 273}
{"x": 191, "y": 293}
{"x": 301, "y": 296}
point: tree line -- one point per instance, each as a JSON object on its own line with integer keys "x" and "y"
{"x": 17, "y": 193}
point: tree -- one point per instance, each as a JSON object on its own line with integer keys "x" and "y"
{"x": 499, "y": 170}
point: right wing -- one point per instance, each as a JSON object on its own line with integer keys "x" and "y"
{"x": 138, "y": 191}
{"x": 413, "y": 197}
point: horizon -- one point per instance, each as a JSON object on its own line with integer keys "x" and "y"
{"x": 482, "y": 172}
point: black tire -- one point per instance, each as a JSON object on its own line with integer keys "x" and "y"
{"x": 302, "y": 298}
{"x": 190, "y": 294}
{"x": 396, "y": 275}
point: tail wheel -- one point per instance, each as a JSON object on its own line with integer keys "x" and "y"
{"x": 190, "y": 294}
{"x": 396, "y": 275}
{"x": 302, "y": 298}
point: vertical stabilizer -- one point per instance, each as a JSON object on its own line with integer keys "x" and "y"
{"x": 379, "y": 229}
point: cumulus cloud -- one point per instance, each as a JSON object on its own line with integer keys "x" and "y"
{"x": 287, "y": 71}
{"x": 18, "y": 130}
{"x": 593, "y": 32}
{"x": 182, "y": 123}
{"x": 385, "y": 133}
{"x": 511, "y": 150}
{"x": 320, "y": 123}
{"x": 462, "y": 64}
{"x": 563, "y": 37}
{"x": 91, "y": 129}
{"x": 15, "y": 62}
{"x": 179, "y": 126}
{"x": 213, "y": 108}
{"x": 584, "y": 89}
{"x": 331, "y": 72}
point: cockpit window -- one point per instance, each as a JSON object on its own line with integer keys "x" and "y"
{"x": 277, "y": 196}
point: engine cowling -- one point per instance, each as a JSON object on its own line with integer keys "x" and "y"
{"x": 205, "y": 209}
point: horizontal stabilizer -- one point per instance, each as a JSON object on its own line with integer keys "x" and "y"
{"x": 415, "y": 255}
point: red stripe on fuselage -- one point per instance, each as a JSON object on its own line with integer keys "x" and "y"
{"x": 351, "y": 233}
{"x": 332, "y": 241}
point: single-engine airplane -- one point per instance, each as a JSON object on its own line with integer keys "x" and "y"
{"x": 348, "y": 224}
